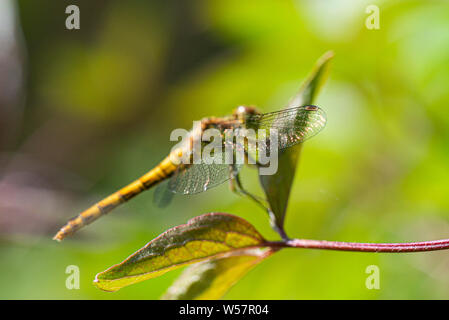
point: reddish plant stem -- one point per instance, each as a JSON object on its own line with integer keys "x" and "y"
{"x": 361, "y": 247}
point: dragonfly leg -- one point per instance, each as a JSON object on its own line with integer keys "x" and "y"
{"x": 236, "y": 186}
{"x": 233, "y": 186}
{"x": 249, "y": 160}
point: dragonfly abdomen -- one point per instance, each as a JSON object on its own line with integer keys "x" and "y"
{"x": 164, "y": 170}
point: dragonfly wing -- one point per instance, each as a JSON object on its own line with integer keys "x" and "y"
{"x": 293, "y": 126}
{"x": 197, "y": 178}
{"x": 162, "y": 196}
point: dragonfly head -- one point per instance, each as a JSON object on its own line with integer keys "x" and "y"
{"x": 241, "y": 112}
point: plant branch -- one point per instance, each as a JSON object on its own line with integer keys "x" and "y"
{"x": 361, "y": 247}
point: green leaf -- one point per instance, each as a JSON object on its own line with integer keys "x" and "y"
{"x": 205, "y": 237}
{"x": 210, "y": 280}
{"x": 277, "y": 187}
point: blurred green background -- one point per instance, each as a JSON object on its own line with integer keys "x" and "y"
{"x": 84, "y": 112}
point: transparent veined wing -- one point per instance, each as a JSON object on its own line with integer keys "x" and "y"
{"x": 293, "y": 125}
{"x": 195, "y": 178}
{"x": 162, "y": 196}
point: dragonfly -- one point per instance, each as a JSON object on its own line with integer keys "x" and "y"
{"x": 292, "y": 126}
